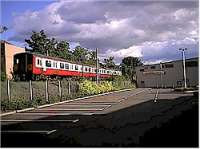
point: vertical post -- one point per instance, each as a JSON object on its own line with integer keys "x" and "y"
{"x": 161, "y": 78}
{"x": 31, "y": 90}
{"x": 46, "y": 91}
{"x": 97, "y": 63}
{"x": 60, "y": 89}
{"x": 184, "y": 70}
{"x": 8, "y": 89}
{"x": 69, "y": 89}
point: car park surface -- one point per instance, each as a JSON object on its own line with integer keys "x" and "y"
{"x": 116, "y": 119}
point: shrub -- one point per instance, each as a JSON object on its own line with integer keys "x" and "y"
{"x": 90, "y": 88}
{"x": 3, "y": 76}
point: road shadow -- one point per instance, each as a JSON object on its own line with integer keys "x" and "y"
{"x": 166, "y": 123}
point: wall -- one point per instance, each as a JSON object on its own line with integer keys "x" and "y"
{"x": 171, "y": 77}
{"x": 10, "y": 51}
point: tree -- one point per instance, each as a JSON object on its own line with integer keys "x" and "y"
{"x": 80, "y": 54}
{"x": 3, "y": 29}
{"x": 109, "y": 62}
{"x": 128, "y": 67}
{"x": 39, "y": 43}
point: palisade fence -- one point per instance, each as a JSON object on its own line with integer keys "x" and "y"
{"x": 23, "y": 94}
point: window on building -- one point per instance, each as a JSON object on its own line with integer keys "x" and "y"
{"x": 153, "y": 67}
{"x": 62, "y": 65}
{"x": 76, "y": 67}
{"x": 141, "y": 70}
{"x": 48, "y": 63}
{"x": 169, "y": 65}
{"x": 191, "y": 64}
{"x": 66, "y": 66}
{"x": 142, "y": 82}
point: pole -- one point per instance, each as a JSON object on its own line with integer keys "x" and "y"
{"x": 184, "y": 70}
{"x": 8, "y": 90}
{"x": 46, "y": 91}
{"x": 60, "y": 90}
{"x": 161, "y": 79}
{"x": 97, "y": 73}
{"x": 31, "y": 90}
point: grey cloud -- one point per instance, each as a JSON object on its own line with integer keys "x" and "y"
{"x": 90, "y": 24}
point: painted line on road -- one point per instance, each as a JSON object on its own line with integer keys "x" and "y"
{"x": 26, "y": 120}
{"x": 72, "y": 109}
{"x": 51, "y": 114}
{"x": 66, "y": 101}
{"x": 29, "y": 131}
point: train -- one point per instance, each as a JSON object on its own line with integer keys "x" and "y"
{"x": 32, "y": 66}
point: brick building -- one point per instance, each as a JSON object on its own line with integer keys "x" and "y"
{"x": 8, "y": 51}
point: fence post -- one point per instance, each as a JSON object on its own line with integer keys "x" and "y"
{"x": 8, "y": 89}
{"x": 31, "y": 90}
{"x": 69, "y": 89}
{"x": 46, "y": 90}
{"x": 60, "y": 89}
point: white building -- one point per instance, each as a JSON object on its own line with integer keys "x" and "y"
{"x": 168, "y": 74}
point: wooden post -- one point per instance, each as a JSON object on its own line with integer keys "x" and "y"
{"x": 46, "y": 91}
{"x": 8, "y": 89}
{"x": 31, "y": 90}
{"x": 69, "y": 89}
{"x": 60, "y": 89}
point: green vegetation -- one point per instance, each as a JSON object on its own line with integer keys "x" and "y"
{"x": 128, "y": 67}
{"x": 20, "y": 95}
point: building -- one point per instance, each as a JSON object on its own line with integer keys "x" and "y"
{"x": 168, "y": 74}
{"x": 8, "y": 51}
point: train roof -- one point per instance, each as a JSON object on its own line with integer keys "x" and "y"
{"x": 61, "y": 59}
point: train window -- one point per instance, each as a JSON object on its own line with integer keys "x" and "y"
{"x": 62, "y": 65}
{"x": 89, "y": 69}
{"x": 66, "y": 66}
{"x": 76, "y": 67}
{"x": 17, "y": 61}
{"x": 72, "y": 66}
{"x": 38, "y": 61}
{"x": 55, "y": 64}
{"x": 48, "y": 63}
{"x": 86, "y": 69}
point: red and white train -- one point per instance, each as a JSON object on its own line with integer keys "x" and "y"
{"x": 28, "y": 66}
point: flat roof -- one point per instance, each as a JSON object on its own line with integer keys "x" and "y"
{"x": 170, "y": 61}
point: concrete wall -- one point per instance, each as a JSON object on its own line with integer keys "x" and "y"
{"x": 167, "y": 77}
{"x": 10, "y": 51}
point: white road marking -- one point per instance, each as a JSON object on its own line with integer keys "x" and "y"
{"x": 73, "y": 109}
{"x": 29, "y": 131}
{"x": 51, "y": 114}
{"x": 25, "y": 120}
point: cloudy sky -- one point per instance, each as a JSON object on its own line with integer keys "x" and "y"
{"x": 151, "y": 30}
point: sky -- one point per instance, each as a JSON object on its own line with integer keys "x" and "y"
{"x": 150, "y": 30}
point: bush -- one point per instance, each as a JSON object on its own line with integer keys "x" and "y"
{"x": 3, "y": 76}
{"x": 90, "y": 88}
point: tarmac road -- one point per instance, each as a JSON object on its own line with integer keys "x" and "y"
{"x": 117, "y": 119}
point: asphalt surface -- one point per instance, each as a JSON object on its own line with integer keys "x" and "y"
{"x": 119, "y": 119}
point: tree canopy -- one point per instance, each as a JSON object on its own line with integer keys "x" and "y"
{"x": 128, "y": 67}
{"x": 40, "y": 43}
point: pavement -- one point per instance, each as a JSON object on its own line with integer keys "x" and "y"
{"x": 116, "y": 119}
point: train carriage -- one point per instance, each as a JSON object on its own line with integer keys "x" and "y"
{"x": 27, "y": 65}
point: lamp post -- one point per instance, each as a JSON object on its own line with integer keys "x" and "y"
{"x": 161, "y": 78}
{"x": 97, "y": 67}
{"x": 184, "y": 70}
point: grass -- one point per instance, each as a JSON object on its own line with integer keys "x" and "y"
{"x": 20, "y": 93}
